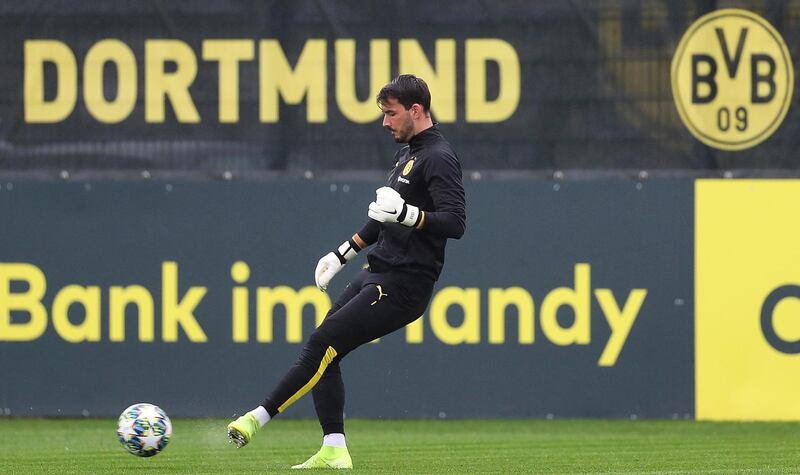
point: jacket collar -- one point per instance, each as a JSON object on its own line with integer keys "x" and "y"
{"x": 425, "y": 137}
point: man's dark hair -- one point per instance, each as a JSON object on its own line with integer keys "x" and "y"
{"x": 408, "y": 90}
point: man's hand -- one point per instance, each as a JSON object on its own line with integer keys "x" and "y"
{"x": 332, "y": 262}
{"x": 389, "y": 207}
{"x": 327, "y": 267}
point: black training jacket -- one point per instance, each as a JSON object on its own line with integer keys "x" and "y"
{"x": 427, "y": 174}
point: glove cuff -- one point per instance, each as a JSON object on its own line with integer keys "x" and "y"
{"x": 346, "y": 251}
{"x": 410, "y": 216}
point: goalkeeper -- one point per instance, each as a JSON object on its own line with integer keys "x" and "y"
{"x": 421, "y": 206}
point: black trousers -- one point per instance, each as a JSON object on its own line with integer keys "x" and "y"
{"x": 371, "y": 306}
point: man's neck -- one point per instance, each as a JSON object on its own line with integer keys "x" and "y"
{"x": 422, "y": 126}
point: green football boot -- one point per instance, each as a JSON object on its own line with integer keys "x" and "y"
{"x": 242, "y": 430}
{"x": 328, "y": 457}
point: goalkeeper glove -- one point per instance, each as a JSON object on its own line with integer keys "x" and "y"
{"x": 332, "y": 262}
{"x": 389, "y": 207}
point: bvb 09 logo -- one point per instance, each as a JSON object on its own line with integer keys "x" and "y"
{"x": 732, "y": 79}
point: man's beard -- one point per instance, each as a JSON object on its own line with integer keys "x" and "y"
{"x": 404, "y": 135}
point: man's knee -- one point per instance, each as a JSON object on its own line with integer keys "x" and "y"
{"x": 331, "y": 336}
{"x": 321, "y": 338}
{"x": 314, "y": 350}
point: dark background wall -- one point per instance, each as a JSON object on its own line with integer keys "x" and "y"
{"x": 594, "y": 86}
{"x": 592, "y": 172}
{"x": 632, "y": 235}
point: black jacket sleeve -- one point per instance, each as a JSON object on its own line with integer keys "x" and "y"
{"x": 448, "y": 216}
{"x": 369, "y": 233}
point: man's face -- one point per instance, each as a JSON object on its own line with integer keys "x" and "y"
{"x": 397, "y": 120}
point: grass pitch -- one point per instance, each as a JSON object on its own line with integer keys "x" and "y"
{"x": 66, "y": 446}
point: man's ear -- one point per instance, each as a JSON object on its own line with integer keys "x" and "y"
{"x": 416, "y": 111}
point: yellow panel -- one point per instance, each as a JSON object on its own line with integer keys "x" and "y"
{"x": 747, "y": 246}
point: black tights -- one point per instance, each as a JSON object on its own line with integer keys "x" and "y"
{"x": 371, "y": 306}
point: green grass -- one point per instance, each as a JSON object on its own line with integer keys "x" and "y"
{"x": 398, "y": 447}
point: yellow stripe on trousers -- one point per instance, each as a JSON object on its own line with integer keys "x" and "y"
{"x": 330, "y": 354}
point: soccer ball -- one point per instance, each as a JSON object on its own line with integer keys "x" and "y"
{"x": 144, "y": 429}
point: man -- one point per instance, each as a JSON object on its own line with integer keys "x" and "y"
{"x": 410, "y": 221}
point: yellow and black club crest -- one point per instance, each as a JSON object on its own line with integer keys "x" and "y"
{"x": 407, "y": 168}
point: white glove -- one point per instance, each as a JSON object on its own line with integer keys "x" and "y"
{"x": 389, "y": 207}
{"x": 327, "y": 267}
{"x": 332, "y": 262}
